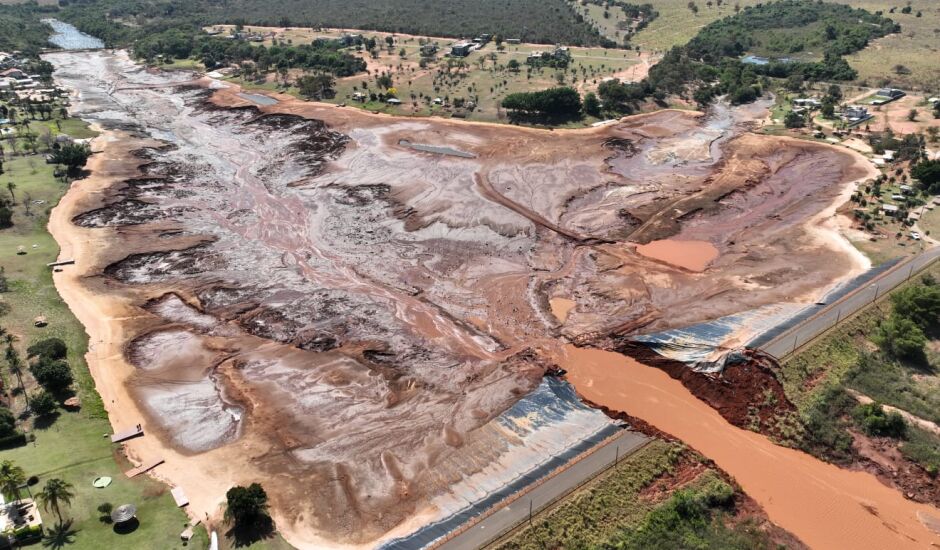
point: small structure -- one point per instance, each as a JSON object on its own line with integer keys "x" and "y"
{"x": 15, "y": 74}
{"x": 461, "y": 49}
{"x": 179, "y": 496}
{"x": 40, "y": 321}
{"x": 393, "y": 101}
{"x": 888, "y": 155}
{"x": 807, "y": 102}
{"x": 360, "y": 97}
{"x": 890, "y": 93}
{"x": 123, "y": 513}
{"x": 130, "y": 433}
{"x": 514, "y": 41}
{"x": 855, "y": 115}
{"x": 428, "y": 50}
{"x": 890, "y": 209}
{"x": 145, "y": 467}
{"x": 906, "y": 189}
{"x": 20, "y": 520}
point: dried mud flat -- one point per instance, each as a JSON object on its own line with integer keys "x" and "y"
{"x": 293, "y": 294}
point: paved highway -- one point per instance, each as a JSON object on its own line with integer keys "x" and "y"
{"x": 829, "y": 315}
{"x": 506, "y": 518}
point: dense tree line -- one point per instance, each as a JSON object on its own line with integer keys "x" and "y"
{"x": 543, "y": 21}
{"x": 553, "y": 103}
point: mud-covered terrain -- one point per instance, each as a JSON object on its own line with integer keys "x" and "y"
{"x": 319, "y": 300}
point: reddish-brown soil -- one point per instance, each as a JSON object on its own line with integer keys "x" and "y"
{"x": 294, "y": 293}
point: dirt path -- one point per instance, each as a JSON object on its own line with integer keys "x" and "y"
{"x": 921, "y": 423}
{"x": 823, "y": 505}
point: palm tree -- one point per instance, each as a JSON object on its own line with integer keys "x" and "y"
{"x": 56, "y": 492}
{"x": 12, "y": 477}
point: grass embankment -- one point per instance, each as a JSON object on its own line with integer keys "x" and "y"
{"x": 816, "y": 380}
{"x": 621, "y": 509}
{"x": 71, "y": 446}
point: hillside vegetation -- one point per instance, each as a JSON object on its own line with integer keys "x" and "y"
{"x": 544, "y": 21}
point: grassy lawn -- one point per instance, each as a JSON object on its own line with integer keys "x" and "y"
{"x": 72, "y": 447}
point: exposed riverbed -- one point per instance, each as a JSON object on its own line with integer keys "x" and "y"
{"x": 285, "y": 292}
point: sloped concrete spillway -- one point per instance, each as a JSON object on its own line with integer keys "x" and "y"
{"x": 365, "y": 326}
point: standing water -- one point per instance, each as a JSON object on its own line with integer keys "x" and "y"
{"x": 68, "y": 37}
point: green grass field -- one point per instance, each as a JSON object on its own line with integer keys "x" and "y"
{"x": 72, "y": 447}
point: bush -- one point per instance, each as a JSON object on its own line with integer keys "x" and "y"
{"x": 54, "y": 375}
{"x": 7, "y": 422}
{"x": 794, "y": 120}
{"x": 877, "y": 422}
{"x": 901, "y": 338}
{"x": 50, "y": 348}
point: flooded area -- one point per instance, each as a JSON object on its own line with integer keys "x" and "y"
{"x": 825, "y": 506}
{"x": 67, "y": 37}
{"x": 366, "y": 326}
{"x": 691, "y": 255}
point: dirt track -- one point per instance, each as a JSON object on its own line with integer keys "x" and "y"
{"x": 288, "y": 294}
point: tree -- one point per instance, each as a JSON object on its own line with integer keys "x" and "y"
{"x": 591, "y": 104}
{"x": 794, "y": 120}
{"x": 912, "y": 115}
{"x": 513, "y": 65}
{"x": 318, "y": 86}
{"x": 920, "y": 304}
{"x": 12, "y": 477}
{"x": 10, "y": 187}
{"x": 48, "y": 348}
{"x": 55, "y": 493}
{"x": 247, "y": 507}
{"x": 73, "y": 156}
{"x": 6, "y": 217}
{"x": 43, "y": 403}
{"x": 928, "y": 173}
{"x": 54, "y": 375}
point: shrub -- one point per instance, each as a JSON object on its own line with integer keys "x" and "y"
{"x": 7, "y": 422}
{"x": 876, "y": 421}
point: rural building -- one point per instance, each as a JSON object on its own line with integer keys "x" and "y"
{"x": 890, "y": 209}
{"x": 892, "y": 93}
{"x": 806, "y": 102}
{"x": 461, "y": 49}
{"x": 14, "y": 74}
{"x": 856, "y": 114}
{"x": 428, "y": 50}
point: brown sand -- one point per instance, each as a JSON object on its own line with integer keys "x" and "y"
{"x": 823, "y": 505}
{"x": 691, "y": 255}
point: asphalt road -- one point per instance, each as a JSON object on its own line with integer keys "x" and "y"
{"x": 829, "y": 315}
{"x": 507, "y": 517}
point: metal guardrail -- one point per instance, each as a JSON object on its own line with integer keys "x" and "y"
{"x": 795, "y": 338}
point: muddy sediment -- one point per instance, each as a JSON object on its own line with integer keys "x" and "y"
{"x": 348, "y": 317}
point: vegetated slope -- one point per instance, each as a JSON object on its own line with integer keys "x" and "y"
{"x": 20, "y": 28}
{"x": 547, "y": 21}
{"x": 789, "y": 27}
{"x": 778, "y": 29}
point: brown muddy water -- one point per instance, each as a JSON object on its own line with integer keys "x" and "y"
{"x": 825, "y": 506}
{"x": 691, "y": 255}
{"x": 359, "y": 323}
